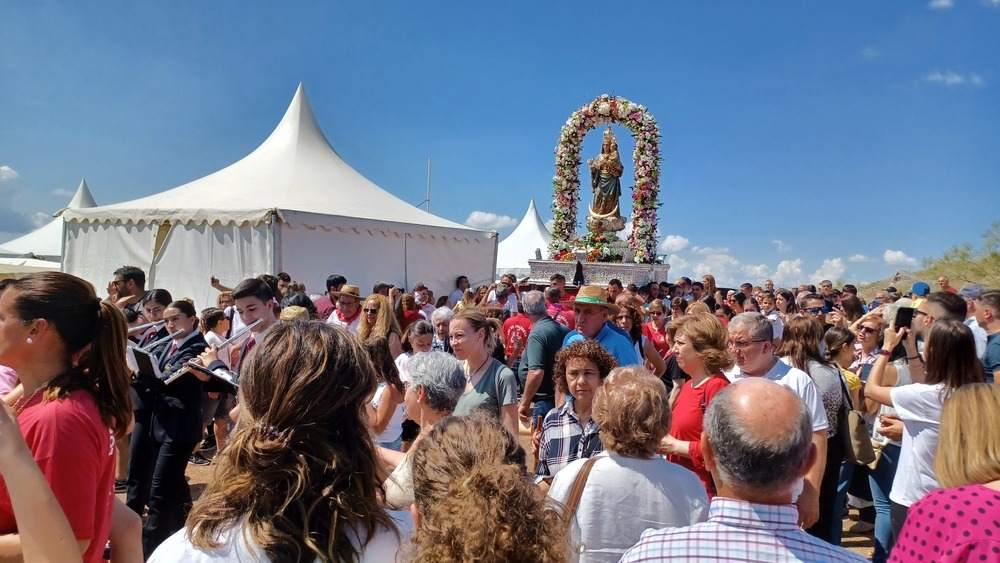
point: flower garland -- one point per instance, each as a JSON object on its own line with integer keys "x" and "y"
{"x": 645, "y": 193}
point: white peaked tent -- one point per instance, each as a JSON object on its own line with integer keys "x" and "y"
{"x": 291, "y": 205}
{"x": 41, "y": 249}
{"x": 514, "y": 251}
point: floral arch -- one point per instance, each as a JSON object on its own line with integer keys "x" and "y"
{"x": 646, "y": 158}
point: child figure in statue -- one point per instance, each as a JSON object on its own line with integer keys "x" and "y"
{"x": 605, "y": 178}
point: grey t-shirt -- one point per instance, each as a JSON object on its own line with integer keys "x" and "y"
{"x": 497, "y": 388}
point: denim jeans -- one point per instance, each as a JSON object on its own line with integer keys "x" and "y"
{"x": 881, "y": 483}
{"x": 395, "y": 445}
{"x": 541, "y": 408}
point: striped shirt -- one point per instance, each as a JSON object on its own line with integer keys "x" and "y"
{"x": 738, "y": 531}
{"x": 564, "y": 440}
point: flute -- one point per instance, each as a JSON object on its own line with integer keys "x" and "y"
{"x": 166, "y": 338}
{"x": 141, "y": 328}
{"x": 194, "y": 361}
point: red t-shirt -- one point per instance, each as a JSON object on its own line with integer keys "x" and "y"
{"x": 687, "y": 423}
{"x": 76, "y": 453}
{"x": 410, "y": 317}
{"x": 562, "y": 315}
{"x": 657, "y": 337}
{"x": 518, "y": 325}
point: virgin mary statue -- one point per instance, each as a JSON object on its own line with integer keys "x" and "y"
{"x": 605, "y": 178}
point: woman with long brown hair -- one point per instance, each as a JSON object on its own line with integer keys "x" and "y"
{"x": 950, "y": 363}
{"x": 298, "y": 481}
{"x": 378, "y": 319}
{"x": 68, "y": 348}
{"x": 385, "y": 411}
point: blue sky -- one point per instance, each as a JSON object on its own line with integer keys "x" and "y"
{"x": 801, "y": 140}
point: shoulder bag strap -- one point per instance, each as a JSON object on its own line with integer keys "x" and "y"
{"x": 577, "y": 491}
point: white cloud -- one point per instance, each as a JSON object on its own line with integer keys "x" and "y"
{"x": 992, "y": 3}
{"x": 859, "y": 258}
{"x": 673, "y": 243}
{"x": 489, "y": 221}
{"x": 63, "y": 193}
{"x": 8, "y": 174}
{"x": 550, "y": 224}
{"x": 869, "y": 53}
{"x": 951, "y": 79}
{"x": 789, "y": 272}
{"x": 626, "y": 232}
{"x": 941, "y": 4}
{"x": 706, "y": 250}
{"x": 898, "y": 258}
{"x": 677, "y": 263}
{"x": 729, "y": 271}
{"x": 831, "y": 269}
{"x": 40, "y": 219}
{"x": 783, "y": 247}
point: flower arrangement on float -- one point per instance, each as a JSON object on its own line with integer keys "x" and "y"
{"x": 645, "y": 193}
{"x": 599, "y": 248}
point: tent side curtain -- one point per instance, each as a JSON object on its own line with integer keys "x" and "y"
{"x": 189, "y": 255}
{"x": 364, "y": 257}
{"x": 94, "y": 251}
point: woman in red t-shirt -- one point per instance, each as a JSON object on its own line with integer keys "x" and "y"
{"x": 702, "y": 349}
{"x": 68, "y": 348}
{"x": 656, "y": 329}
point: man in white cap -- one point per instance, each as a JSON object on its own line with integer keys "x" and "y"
{"x": 591, "y": 310}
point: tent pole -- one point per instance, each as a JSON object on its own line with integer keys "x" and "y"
{"x": 428, "y": 184}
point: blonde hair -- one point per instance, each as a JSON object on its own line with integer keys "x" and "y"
{"x": 479, "y": 319}
{"x": 294, "y": 313}
{"x": 697, "y": 308}
{"x": 966, "y": 453}
{"x": 385, "y": 321}
{"x": 710, "y": 339}
{"x": 475, "y": 500}
{"x": 633, "y": 412}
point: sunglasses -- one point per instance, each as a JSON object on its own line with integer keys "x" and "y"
{"x": 370, "y": 311}
{"x": 818, "y": 310}
{"x": 866, "y": 330}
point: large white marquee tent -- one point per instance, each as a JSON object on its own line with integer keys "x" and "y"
{"x": 41, "y": 249}
{"x": 291, "y": 205}
{"x": 521, "y": 245}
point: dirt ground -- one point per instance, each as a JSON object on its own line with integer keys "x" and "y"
{"x": 198, "y": 477}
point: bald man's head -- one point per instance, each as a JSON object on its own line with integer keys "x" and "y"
{"x": 760, "y": 434}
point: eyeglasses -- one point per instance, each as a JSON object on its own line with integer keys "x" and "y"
{"x": 346, "y": 303}
{"x": 866, "y": 330}
{"x": 817, "y": 310}
{"x": 743, "y": 345}
{"x": 370, "y": 311}
{"x": 656, "y": 313}
{"x": 919, "y": 313}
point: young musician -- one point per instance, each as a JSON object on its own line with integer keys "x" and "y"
{"x": 163, "y": 442}
{"x": 155, "y": 303}
{"x": 254, "y": 301}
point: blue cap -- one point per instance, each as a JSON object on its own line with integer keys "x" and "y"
{"x": 920, "y": 289}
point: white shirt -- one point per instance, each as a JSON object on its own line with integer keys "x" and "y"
{"x": 351, "y": 327}
{"x": 625, "y": 496}
{"x": 394, "y": 429}
{"x": 979, "y": 334}
{"x": 382, "y": 547}
{"x": 776, "y": 324}
{"x": 800, "y": 383}
{"x": 224, "y": 352}
{"x": 919, "y": 407}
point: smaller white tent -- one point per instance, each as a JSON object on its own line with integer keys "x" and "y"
{"x": 520, "y": 246}
{"x": 41, "y": 249}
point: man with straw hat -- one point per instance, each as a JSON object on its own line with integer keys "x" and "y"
{"x": 591, "y": 310}
{"x": 348, "y": 311}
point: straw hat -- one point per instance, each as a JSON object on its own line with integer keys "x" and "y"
{"x": 295, "y": 313}
{"x": 348, "y": 290}
{"x": 595, "y": 295}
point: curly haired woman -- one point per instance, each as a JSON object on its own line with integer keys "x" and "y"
{"x": 474, "y": 501}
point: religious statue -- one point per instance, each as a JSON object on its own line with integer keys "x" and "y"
{"x": 605, "y": 179}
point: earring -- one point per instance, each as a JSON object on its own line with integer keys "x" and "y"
{"x": 29, "y": 340}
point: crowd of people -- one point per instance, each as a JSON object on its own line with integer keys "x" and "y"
{"x": 502, "y": 423}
